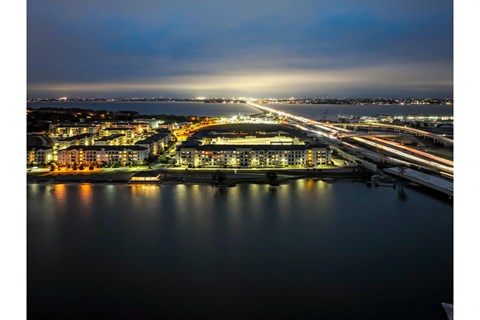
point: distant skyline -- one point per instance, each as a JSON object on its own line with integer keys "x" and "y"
{"x": 200, "y": 98}
{"x": 147, "y": 48}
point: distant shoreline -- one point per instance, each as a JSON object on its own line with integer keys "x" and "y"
{"x": 344, "y": 102}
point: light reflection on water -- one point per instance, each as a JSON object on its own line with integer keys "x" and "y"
{"x": 60, "y": 193}
{"x": 180, "y": 199}
{"x": 332, "y": 243}
{"x": 285, "y": 196}
{"x": 145, "y": 198}
{"x": 33, "y": 188}
{"x": 109, "y": 194}
{"x": 86, "y": 195}
{"x": 192, "y": 206}
{"x": 309, "y": 184}
{"x": 254, "y": 201}
{"x": 196, "y": 203}
{"x": 234, "y": 210}
{"x": 200, "y": 209}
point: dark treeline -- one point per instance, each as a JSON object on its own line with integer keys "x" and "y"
{"x": 39, "y": 119}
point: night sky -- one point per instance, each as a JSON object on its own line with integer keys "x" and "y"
{"x": 225, "y": 48}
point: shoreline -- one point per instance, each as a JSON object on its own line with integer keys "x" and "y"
{"x": 204, "y": 176}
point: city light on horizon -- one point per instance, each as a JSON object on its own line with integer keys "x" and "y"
{"x": 407, "y": 80}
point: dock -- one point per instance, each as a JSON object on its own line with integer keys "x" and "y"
{"x": 151, "y": 177}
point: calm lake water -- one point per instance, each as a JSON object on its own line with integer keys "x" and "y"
{"x": 306, "y": 250}
{"x": 316, "y": 111}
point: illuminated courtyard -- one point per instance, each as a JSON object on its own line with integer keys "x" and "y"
{"x": 251, "y": 146}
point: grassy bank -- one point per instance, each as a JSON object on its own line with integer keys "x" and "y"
{"x": 200, "y": 176}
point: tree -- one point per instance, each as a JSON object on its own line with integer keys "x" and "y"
{"x": 152, "y": 158}
{"x": 90, "y": 168}
{"x": 74, "y": 166}
{"x": 164, "y": 159}
{"x": 81, "y": 167}
{"x": 272, "y": 178}
{"x": 218, "y": 177}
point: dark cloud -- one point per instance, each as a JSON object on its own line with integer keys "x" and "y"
{"x": 158, "y": 42}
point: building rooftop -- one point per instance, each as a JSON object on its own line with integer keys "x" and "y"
{"x": 30, "y": 148}
{"x": 80, "y": 136}
{"x": 113, "y": 148}
{"x": 133, "y": 122}
{"x": 250, "y": 136}
{"x": 37, "y": 141}
{"x": 117, "y": 129}
{"x": 155, "y": 137}
{"x": 228, "y": 147}
{"x": 111, "y": 137}
{"x": 76, "y": 125}
{"x": 247, "y": 129}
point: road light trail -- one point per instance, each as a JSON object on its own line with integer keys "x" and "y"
{"x": 336, "y": 131}
{"x": 412, "y": 150}
{"x": 282, "y": 113}
{"x": 434, "y": 136}
{"x": 406, "y": 155}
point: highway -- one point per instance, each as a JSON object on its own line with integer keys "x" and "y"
{"x": 413, "y": 150}
{"x": 331, "y": 133}
{"x": 433, "y": 136}
{"x": 405, "y": 155}
{"x": 449, "y": 163}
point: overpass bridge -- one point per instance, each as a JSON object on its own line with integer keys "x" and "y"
{"x": 422, "y": 133}
{"x": 330, "y": 132}
{"x": 368, "y": 134}
{"x": 439, "y": 184}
